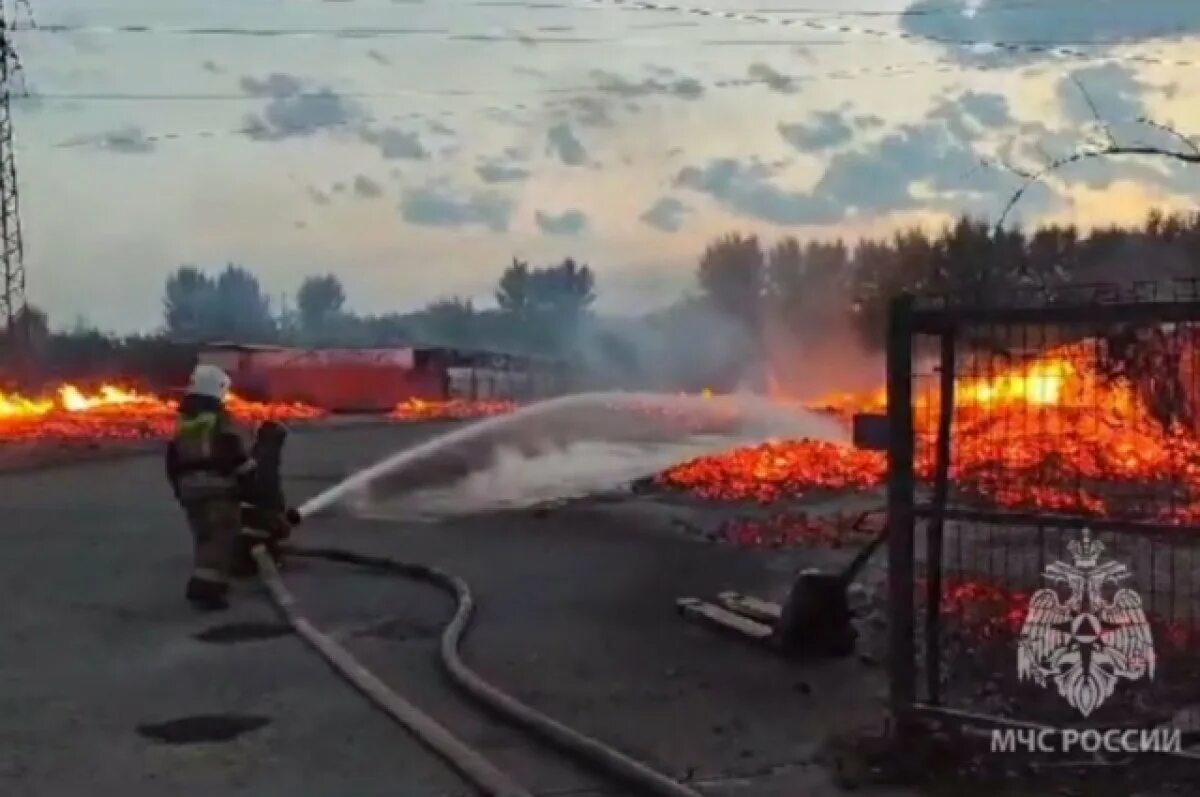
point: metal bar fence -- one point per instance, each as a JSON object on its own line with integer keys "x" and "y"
{"x": 1011, "y": 431}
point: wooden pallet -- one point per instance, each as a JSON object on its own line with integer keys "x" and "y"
{"x": 722, "y": 618}
{"x": 751, "y": 607}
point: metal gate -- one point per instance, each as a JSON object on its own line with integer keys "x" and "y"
{"x": 1012, "y": 430}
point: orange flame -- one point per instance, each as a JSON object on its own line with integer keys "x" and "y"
{"x": 114, "y": 412}
{"x": 416, "y": 409}
{"x": 1051, "y": 434}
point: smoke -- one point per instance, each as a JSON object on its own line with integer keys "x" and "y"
{"x": 565, "y": 448}
{"x": 686, "y": 347}
{"x": 692, "y": 346}
{"x": 815, "y": 363}
{"x": 519, "y": 479}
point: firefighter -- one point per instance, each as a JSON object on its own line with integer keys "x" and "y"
{"x": 205, "y": 460}
{"x": 265, "y": 516}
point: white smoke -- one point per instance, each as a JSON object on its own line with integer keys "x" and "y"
{"x": 599, "y": 460}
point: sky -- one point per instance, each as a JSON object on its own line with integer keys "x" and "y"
{"x": 415, "y": 147}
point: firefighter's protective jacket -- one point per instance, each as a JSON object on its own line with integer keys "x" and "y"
{"x": 206, "y": 457}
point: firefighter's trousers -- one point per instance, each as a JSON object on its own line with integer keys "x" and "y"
{"x": 215, "y": 524}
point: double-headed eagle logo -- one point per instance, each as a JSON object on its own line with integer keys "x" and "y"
{"x": 1086, "y": 644}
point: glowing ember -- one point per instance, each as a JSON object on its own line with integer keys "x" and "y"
{"x": 115, "y": 413}
{"x": 453, "y": 409}
{"x": 795, "y": 529}
{"x": 1052, "y": 434}
{"x": 776, "y": 470}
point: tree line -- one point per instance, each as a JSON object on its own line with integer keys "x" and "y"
{"x": 751, "y": 301}
{"x": 537, "y": 309}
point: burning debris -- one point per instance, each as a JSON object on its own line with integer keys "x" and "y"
{"x": 453, "y": 409}
{"x": 778, "y": 470}
{"x": 800, "y": 529}
{"x": 112, "y": 412}
{"x": 1062, "y": 432}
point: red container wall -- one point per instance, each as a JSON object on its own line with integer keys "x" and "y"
{"x": 344, "y": 387}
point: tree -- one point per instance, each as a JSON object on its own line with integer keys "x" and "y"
{"x": 731, "y": 275}
{"x": 320, "y": 301}
{"x": 543, "y": 308}
{"x": 197, "y": 307}
{"x": 243, "y": 311}
{"x": 562, "y": 293}
{"x": 512, "y": 292}
{"x": 448, "y": 322}
{"x": 188, "y": 304}
{"x": 785, "y": 275}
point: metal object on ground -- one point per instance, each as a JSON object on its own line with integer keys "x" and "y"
{"x": 814, "y": 621}
{"x": 870, "y": 431}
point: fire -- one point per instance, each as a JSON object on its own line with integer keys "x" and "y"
{"x": 1053, "y": 434}
{"x": 454, "y": 409}
{"x": 114, "y": 412}
{"x": 777, "y": 470}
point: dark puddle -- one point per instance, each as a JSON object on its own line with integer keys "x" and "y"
{"x": 202, "y": 728}
{"x": 231, "y": 633}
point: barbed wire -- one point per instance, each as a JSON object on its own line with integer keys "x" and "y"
{"x": 1047, "y": 47}
{"x": 1059, "y": 47}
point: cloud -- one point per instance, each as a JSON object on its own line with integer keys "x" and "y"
{"x": 213, "y": 67}
{"x": 772, "y": 79}
{"x": 868, "y": 121}
{"x": 972, "y": 113}
{"x": 747, "y": 190}
{"x": 432, "y": 207}
{"x": 1068, "y": 23}
{"x": 986, "y": 108}
{"x": 291, "y": 111}
{"x": 683, "y": 88}
{"x": 129, "y": 140}
{"x": 829, "y": 130}
{"x": 666, "y": 214}
{"x": 1115, "y": 90}
{"x": 367, "y": 188}
{"x": 378, "y": 57}
{"x": 318, "y": 196}
{"x": 591, "y": 111}
{"x": 562, "y": 143}
{"x": 494, "y": 172}
{"x": 921, "y": 166}
{"x": 396, "y": 144}
{"x": 570, "y": 222}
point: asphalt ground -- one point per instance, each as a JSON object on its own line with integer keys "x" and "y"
{"x": 575, "y": 616}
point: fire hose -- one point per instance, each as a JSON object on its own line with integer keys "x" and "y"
{"x": 469, "y": 762}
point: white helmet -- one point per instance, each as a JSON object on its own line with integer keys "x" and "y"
{"x": 211, "y": 381}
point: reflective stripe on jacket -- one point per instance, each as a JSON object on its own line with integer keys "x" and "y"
{"x": 206, "y": 457}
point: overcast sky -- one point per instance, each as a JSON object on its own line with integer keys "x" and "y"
{"x": 415, "y": 146}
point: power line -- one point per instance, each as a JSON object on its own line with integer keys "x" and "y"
{"x": 779, "y": 82}
{"x": 634, "y": 87}
{"x": 534, "y": 39}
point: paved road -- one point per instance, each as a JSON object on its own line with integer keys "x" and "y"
{"x": 575, "y": 617}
